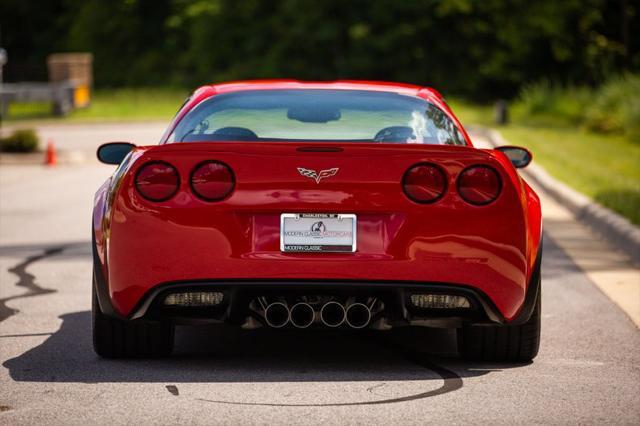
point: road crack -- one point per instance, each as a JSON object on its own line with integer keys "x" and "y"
{"x": 26, "y": 280}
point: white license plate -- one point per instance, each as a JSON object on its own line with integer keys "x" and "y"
{"x": 314, "y": 232}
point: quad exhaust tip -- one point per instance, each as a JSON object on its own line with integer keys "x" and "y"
{"x": 332, "y": 314}
{"x": 277, "y": 315}
{"x": 358, "y": 315}
{"x": 302, "y": 315}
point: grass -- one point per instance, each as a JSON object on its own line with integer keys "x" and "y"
{"x": 470, "y": 114}
{"x": 108, "y": 105}
{"x": 606, "y": 167}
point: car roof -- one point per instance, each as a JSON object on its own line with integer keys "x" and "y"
{"x": 377, "y": 86}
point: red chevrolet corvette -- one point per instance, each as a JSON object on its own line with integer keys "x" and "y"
{"x": 316, "y": 205}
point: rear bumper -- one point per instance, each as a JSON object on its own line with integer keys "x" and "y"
{"x": 234, "y": 308}
{"x": 395, "y": 295}
{"x": 497, "y": 272}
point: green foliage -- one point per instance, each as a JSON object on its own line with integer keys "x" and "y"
{"x": 613, "y": 107}
{"x": 25, "y": 140}
{"x": 479, "y": 49}
{"x": 616, "y": 107}
{"x": 544, "y": 99}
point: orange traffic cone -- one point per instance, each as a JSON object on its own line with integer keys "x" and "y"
{"x": 51, "y": 159}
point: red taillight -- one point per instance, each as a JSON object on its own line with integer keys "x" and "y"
{"x": 212, "y": 181}
{"x": 479, "y": 185}
{"x": 424, "y": 183}
{"x": 157, "y": 181}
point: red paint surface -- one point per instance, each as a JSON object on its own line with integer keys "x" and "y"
{"x": 143, "y": 243}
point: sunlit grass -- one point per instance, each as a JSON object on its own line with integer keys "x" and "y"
{"x": 469, "y": 113}
{"x": 109, "y": 105}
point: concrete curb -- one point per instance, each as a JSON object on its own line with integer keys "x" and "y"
{"x": 616, "y": 229}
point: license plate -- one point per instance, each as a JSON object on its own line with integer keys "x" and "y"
{"x": 314, "y": 232}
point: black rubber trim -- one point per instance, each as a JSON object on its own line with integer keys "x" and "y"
{"x": 532, "y": 294}
{"x": 319, "y": 149}
{"x": 102, "y": 290}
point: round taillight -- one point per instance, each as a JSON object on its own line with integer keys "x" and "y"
{"x": 157, "y": 181}
{"x": 424, "y": 183}
{"x": 212, "y": 181}
{"x": 479, "y": 185}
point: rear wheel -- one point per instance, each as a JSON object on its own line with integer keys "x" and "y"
{"x": 114, "y": 338}
{"x": 501, "y": 343}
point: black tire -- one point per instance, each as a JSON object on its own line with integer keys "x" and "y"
{"x": 502, "y": 343}
{"x": 114, "y": 338}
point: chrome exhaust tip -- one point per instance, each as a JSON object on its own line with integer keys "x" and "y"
{"x": 332, "y": 314}
{"x": 302, "y": 315}
{"x": 358, "y": 315}
{"x": 277, "y": 315}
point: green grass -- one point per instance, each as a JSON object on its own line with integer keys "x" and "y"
{"x": 605, "y": 167}
{"x": 109, "y": 105}
{"x": 470, "y": 114}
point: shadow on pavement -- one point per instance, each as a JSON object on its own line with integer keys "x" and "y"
{"x": 226, "y": 354}
{"x": 596, "y": 255}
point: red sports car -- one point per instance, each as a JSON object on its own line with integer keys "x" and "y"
{"x": 316, "y": 205}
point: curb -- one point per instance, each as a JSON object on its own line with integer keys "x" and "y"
{"x": 616, "y": 229}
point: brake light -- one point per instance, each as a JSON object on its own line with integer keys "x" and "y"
{"x": 212, "y": 181}
{"x": 479, "y": 185}
{"x": 424, "y": 183}
{"x": 157, "y": 181}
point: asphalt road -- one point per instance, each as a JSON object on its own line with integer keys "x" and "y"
{"x": 588, "y": 370}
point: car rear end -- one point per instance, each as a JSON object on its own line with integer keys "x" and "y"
{"x": 181, "y": 238}
{"x": 300, "y": 233}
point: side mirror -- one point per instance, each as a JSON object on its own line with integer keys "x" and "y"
{"x": 519, "y": 157}
{"x": 114, "y": 152}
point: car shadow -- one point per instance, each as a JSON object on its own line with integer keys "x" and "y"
{"x": 228, "y": 354}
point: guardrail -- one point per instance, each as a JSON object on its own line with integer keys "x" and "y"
{"x": 61, "y": 95}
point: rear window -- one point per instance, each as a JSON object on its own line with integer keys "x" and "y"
{"x": 317, "y": 115}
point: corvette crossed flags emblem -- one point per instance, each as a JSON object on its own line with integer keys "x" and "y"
{"x": 318, "y": 176}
